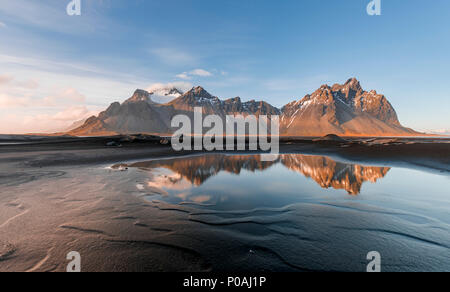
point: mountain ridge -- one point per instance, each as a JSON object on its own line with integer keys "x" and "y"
{"x": 341, "y": 109}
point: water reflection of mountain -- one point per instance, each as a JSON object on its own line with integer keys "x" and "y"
{"x": 329, "y": 173}
{"x": 323, "y": 170}
{"x": 198, "y": 169}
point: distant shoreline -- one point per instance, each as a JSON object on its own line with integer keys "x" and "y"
{"x": 43, "y": 136}
{"x": 431, "y": 153}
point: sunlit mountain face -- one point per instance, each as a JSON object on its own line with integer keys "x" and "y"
{"x": 331, "y": 174}
{"x": 183, "y": 174}
{"x": 344, "y": 109}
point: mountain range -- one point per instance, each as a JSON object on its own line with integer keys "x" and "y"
{"x": 342, "y": 109}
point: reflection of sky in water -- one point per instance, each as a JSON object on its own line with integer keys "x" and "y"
{"x": 283, "y": 184}
{"x": 312, "y": 211}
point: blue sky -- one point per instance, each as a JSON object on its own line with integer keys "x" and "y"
{"x": 55, "y": 68}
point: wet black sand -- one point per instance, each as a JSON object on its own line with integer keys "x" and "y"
{"x": 57, "y": 196}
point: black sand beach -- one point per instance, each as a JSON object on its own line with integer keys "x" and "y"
{"x": 60, "y": 195}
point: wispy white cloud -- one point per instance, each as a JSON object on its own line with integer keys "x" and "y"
{"x": 201, "y": 73}
{"x": 49, "y": 65}
{"x": 194, "y": 73}
{"x": 2, "y": 25}
{"x": 184, "y": 76}
{"x": 101, "y": 85}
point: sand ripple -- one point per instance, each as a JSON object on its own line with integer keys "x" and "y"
{"x": 6, "y": 250}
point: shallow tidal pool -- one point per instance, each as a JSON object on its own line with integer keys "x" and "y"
{"x": 307, "y": 213}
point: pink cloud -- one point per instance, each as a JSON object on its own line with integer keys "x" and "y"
{"x": 8, "y": 101}
{"x": 5, "y": 79}
{"x": 66, "y": 96}
{"x": 44, "y": 123}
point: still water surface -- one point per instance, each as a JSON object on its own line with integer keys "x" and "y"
{"x": 310, "y": 212}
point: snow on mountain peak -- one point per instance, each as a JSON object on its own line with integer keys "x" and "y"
{"x": 164, "y": 93}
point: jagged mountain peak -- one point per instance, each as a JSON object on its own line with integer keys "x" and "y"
{"x": 353, "y": 82}
{"x": 350, "y": 93}
{"x": 195, "y": 97}
{"x": 199, "y": 91}
{"x": 342, "y": 109}
{"x": 349, "y": 89}
{"x": 140, "y": 95}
